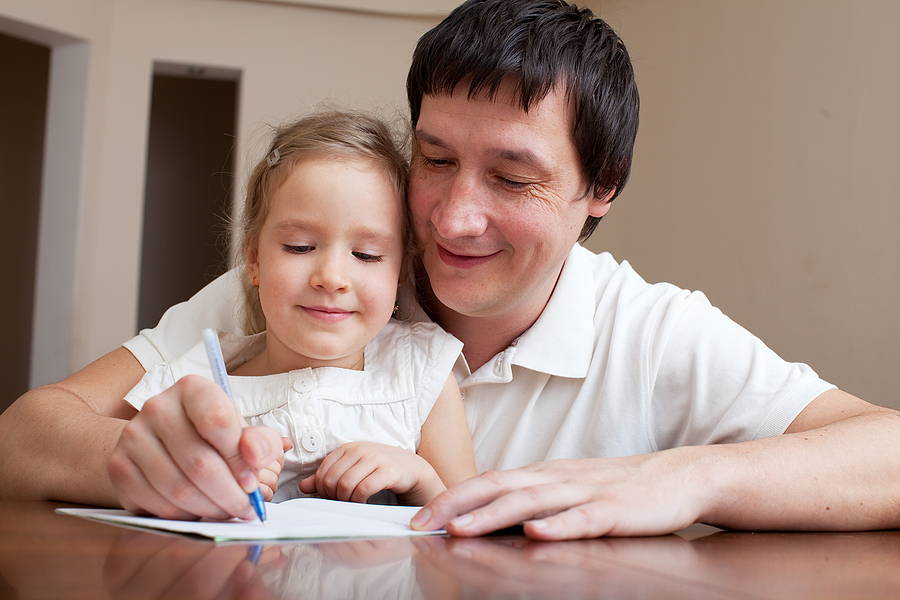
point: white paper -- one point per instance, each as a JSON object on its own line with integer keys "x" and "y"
{"x": 300, "y": 518}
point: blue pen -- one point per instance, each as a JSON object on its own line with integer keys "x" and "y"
{"x": 253, "y": 553}
{"x": 217, "y": 364}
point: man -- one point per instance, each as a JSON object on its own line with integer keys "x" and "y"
{"x": 662, "y": 411}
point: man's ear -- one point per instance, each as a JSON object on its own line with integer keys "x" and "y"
{"x": 600, "y": 203}
{"x": 251, "y": 257}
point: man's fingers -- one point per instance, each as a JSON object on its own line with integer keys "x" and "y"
{"x": 204, "y": 443}
{"x": 514, "y": 507}
{"x": 212, "y": 414}
{"x": 187, "y": 455}
{"x": 144, "y": 467}
{"x": 582, "y": 521}
{"x": 151, "y": 502}
{"x": 496, "y": 500}
{"x": 203, "y": 466}
{"x": 456, "y": 502}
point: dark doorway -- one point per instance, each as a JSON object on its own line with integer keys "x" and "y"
{"x": 189, "y": 187}
{"x": 24, "y": 74}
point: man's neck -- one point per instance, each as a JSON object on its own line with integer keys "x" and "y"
{"x": 482, "y": 337}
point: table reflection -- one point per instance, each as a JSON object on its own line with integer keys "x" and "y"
{"x": 44, "y": 555}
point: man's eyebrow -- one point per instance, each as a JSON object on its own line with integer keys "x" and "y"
{"x": 524, "y": 156}
{"x": 423, "y": 137}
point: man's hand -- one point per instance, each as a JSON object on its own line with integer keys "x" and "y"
{"x": 821, "y": 475}
{"x": 186, "y": 455}
{"x": 357, "y": 470}
{"x": 568, "y": 499}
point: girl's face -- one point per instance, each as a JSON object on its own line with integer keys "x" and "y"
{"x": 327, "y": 263}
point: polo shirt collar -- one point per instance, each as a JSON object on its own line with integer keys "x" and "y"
{"x": 561, "y": 341}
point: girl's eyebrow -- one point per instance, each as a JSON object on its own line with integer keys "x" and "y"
{"x": 365, "y": 234}
{"x": 380, "y": 238}
{"x": 291, "y": 226}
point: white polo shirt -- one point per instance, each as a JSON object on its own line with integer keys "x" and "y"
{"x": 618, "y": 367}
{"x": 614, "y": 366}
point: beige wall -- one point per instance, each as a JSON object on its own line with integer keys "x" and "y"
{"x": 290, "y": 58}
{"x": 767, "y": 172}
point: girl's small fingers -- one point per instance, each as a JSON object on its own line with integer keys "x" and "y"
{"x": 370, "y": 485}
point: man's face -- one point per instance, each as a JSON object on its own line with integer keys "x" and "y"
{"x": 498, "y": 200}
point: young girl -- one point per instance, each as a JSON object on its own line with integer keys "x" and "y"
{"x": 368, "y": 402}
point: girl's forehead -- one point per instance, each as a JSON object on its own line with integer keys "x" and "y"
{"x": 315, "y": 166}
{"x": 337, "y": 194}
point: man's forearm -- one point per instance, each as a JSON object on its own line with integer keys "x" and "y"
{"x": 56, "y": 448}
{"x": 842, "y": 476}
{"x": 56, "y": 440}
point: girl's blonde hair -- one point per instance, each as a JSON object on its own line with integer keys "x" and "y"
{"x": 324, "y": 135}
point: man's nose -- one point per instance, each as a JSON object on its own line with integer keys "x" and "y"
{"x": 461, "y": 212}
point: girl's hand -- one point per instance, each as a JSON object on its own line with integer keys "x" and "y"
{"x": 357, "y": 470}
{"x": 268, "y": 477}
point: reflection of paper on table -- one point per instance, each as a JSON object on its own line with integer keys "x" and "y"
{"x": 300, "y": 518}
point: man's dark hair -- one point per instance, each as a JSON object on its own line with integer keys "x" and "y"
{"x": 541, "y": 45}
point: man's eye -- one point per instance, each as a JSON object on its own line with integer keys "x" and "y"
{"x": 511, "y": 184}
{"x": 298, "y": 249}
{"x": 435, "y": 162}
{"x": 368, "y": 257}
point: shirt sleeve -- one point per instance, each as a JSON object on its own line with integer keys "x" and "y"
{"x": 219, "y": 305}
{"x": 156, "y": 380}
{"x": 714, "y": 382}
{"x": 434, "y": 352}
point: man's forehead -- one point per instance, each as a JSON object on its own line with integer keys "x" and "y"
{"x": 441, "y": 114}
{"x": 507, "y": 95}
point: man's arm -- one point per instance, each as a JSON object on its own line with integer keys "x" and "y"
{"x": 56, "y": 440}
{"x": 834, "y": 469}
{"x": 79, "y": 441}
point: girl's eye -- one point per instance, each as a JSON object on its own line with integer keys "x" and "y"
{"x": 298, "y": 249}
{"x": 368, "y": 257}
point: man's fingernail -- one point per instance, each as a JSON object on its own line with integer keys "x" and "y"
{"x": 538, "y": 524}
{"x": 461, "y": 521}
{"x": 420, "y": 518}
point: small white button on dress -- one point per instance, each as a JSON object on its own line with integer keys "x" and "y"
{"x": 303, "y": 384}
{"x": 311, "y": 441}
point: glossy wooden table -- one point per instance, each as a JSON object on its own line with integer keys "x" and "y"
{"x": 50, "y": 556}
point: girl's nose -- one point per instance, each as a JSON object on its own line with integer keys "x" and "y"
{"x": 330, "y": 274}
